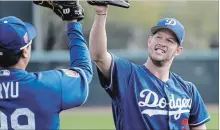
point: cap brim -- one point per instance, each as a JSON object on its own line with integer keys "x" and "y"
{"x": 156, "y": 28}
{"x": 31, "y": 31}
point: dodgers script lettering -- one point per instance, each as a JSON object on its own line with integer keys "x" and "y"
{"x": 151, "y": 100}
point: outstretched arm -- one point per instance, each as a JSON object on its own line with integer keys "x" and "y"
{"x": 72, "y": 12}
{"x": 79, "y": 53}
{"x": 75, "y": 80}
{"x": 98, "y": 41}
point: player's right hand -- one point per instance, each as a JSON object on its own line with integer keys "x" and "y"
{"x": 101, "y": 9}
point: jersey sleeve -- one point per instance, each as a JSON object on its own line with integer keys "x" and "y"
{"x": 65, "y": 90}
{"x": 120, "y": 72}
{"x": 48, "y": 83}
{"x": 79, "y": 53}
{"x": 198, "y": 113}
{"x": 74, "y": 89}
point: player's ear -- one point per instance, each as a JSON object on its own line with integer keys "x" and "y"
{"x": 26, "y": 52}
{"x": 149, "y": 40}
{"x": 178, "y": 51}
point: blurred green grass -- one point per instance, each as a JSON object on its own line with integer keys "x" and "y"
{"x": 87, "y": 121}
{"x": 104, "y": 120}
{"x": 213, "y": 123}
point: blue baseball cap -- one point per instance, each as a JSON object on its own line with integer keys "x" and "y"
{"x": 173, "y": 25}
{"x": 15, "y": 34}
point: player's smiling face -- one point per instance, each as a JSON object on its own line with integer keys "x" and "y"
{"x": 163, "y": 46}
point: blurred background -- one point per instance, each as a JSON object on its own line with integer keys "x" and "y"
{"x": 127, "y": 31}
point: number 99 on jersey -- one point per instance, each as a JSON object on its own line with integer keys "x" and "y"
{"x": 4, "y": 124}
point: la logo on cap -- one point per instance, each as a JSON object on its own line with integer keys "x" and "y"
{"x": 170, "y": 22}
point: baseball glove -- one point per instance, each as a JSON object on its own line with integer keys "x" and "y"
{"x": 118, "y": 3}
{"x": 67, "y": 10}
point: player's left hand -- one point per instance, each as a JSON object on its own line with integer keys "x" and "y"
{"x": 67, "y": 10}
{"x": 117, "y": 3}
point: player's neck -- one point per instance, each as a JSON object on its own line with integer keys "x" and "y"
{"x": 161, "y": 72}
{"x": 20, "y": 65}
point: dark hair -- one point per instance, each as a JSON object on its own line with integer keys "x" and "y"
{"x": 8, "y": 57}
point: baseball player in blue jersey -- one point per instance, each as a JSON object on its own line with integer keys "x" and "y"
{"x": 148, "y": 96}
{"x": 34, "y": 100}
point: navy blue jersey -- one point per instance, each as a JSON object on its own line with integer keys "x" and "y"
{"x": 34, "y": 100}
{"x": 141, "y": 101}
